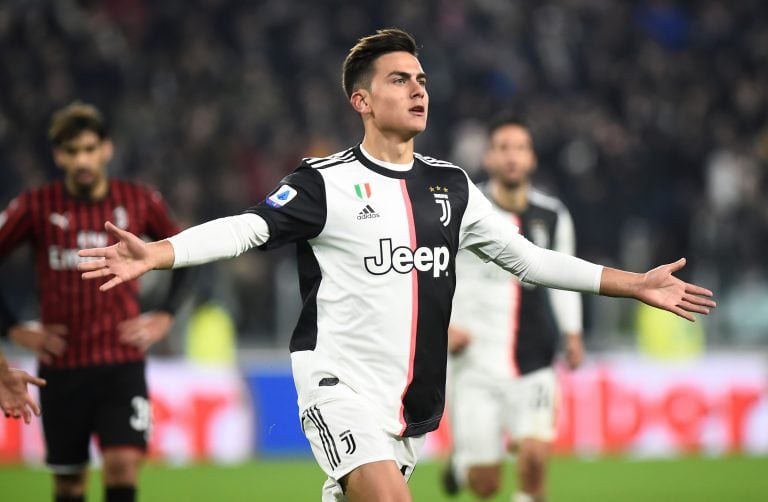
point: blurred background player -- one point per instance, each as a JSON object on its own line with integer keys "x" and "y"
{"x": 504, "y": 334}
{"x": 90, "y": 346}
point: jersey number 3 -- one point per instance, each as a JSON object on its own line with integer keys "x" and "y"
{"x": 142, "y": 412}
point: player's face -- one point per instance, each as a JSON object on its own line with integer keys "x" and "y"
{"x": 84, "y": 159}
{"x": 398, "y": 101}
{"x": 510, "y": 159}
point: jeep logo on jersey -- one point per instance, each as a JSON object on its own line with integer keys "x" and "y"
{"x": 402, "y": 260}
{"x": 441, "y": 199}
{"x": 281, "y": 196}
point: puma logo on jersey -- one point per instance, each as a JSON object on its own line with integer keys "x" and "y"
{"x": 402, "y": 260}
{"x": 367, "y": 213}
{"x": 60, "y": 220}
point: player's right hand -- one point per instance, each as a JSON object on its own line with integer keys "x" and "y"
{"x": 125, "y": 261}
{"x": 15, "y": 400}
{"x": 46, "y": 340}
{"x": 458, "y": 339}
{"x": 574, "y": 350}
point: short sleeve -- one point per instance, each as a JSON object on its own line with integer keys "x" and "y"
{"x": 296, "y": 210}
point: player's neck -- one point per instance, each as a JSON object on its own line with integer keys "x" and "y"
{"x": 510, "y": 198}
{"x": 97, "y": 192}
{"x": 387, "y": 149}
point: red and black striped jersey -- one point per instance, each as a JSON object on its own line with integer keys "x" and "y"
{"x": 57, "y": 225}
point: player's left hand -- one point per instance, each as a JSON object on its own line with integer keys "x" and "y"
{"x": 659, "y": 288}
{"x": 145, "y": 330}
{"x": 574, "y": 350}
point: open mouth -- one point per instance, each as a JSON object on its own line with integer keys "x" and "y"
{"x": 417, "y": 109}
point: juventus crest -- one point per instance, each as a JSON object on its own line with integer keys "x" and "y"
{"x": 349, "y": 441}
{"x": 441, "y": 199}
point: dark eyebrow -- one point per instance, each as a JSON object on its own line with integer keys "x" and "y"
{"x": 407, "y": 75}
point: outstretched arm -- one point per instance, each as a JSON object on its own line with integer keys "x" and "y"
{"x": 489, "y": 236}
{"x": 131, "y": 257}
{"x": 659, "y": 288}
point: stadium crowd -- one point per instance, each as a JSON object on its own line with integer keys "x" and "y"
{"x": 651, "y": 116}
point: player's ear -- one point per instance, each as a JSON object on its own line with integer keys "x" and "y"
{"x": 359, "y": 101}
{"x": 58, "y": 156}
{"x": 488, "y": 159}
{"x": 107, "y": 149}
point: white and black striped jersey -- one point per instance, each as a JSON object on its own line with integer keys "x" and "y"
{"x": 376, "y": 253}
{"x": 515, "y": 327}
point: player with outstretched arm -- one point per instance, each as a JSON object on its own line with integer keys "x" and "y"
{"x": 377, "y": 228}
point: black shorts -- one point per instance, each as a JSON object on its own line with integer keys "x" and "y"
{"x": 110, "y": 402}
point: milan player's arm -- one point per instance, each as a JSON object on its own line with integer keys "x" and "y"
{"x": 46, "y": 340}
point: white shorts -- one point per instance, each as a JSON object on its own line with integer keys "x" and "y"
{"x": 535, "y": 400}
{"x": 344, "y": 431}
{"x": 484, "y": 412}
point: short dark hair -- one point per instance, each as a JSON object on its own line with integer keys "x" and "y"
{"x": 74, "y": 119}
{"x": 358, "y": 66}
{"x": 506, "y": 119}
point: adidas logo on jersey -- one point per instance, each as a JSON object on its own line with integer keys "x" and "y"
{"x": 367, "y": 213}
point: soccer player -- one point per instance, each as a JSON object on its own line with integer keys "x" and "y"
{"x": 90, "y": 346}
{"x": 504, "y": 334}
{"x": 376, "y": 229}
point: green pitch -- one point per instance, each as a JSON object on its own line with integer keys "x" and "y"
{"x": 571, "y": 480}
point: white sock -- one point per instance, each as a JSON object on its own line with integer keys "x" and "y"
{"x": 461, "y": 473}
{"x": 523, "y": 497}
{"x": 332, "y": 492}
